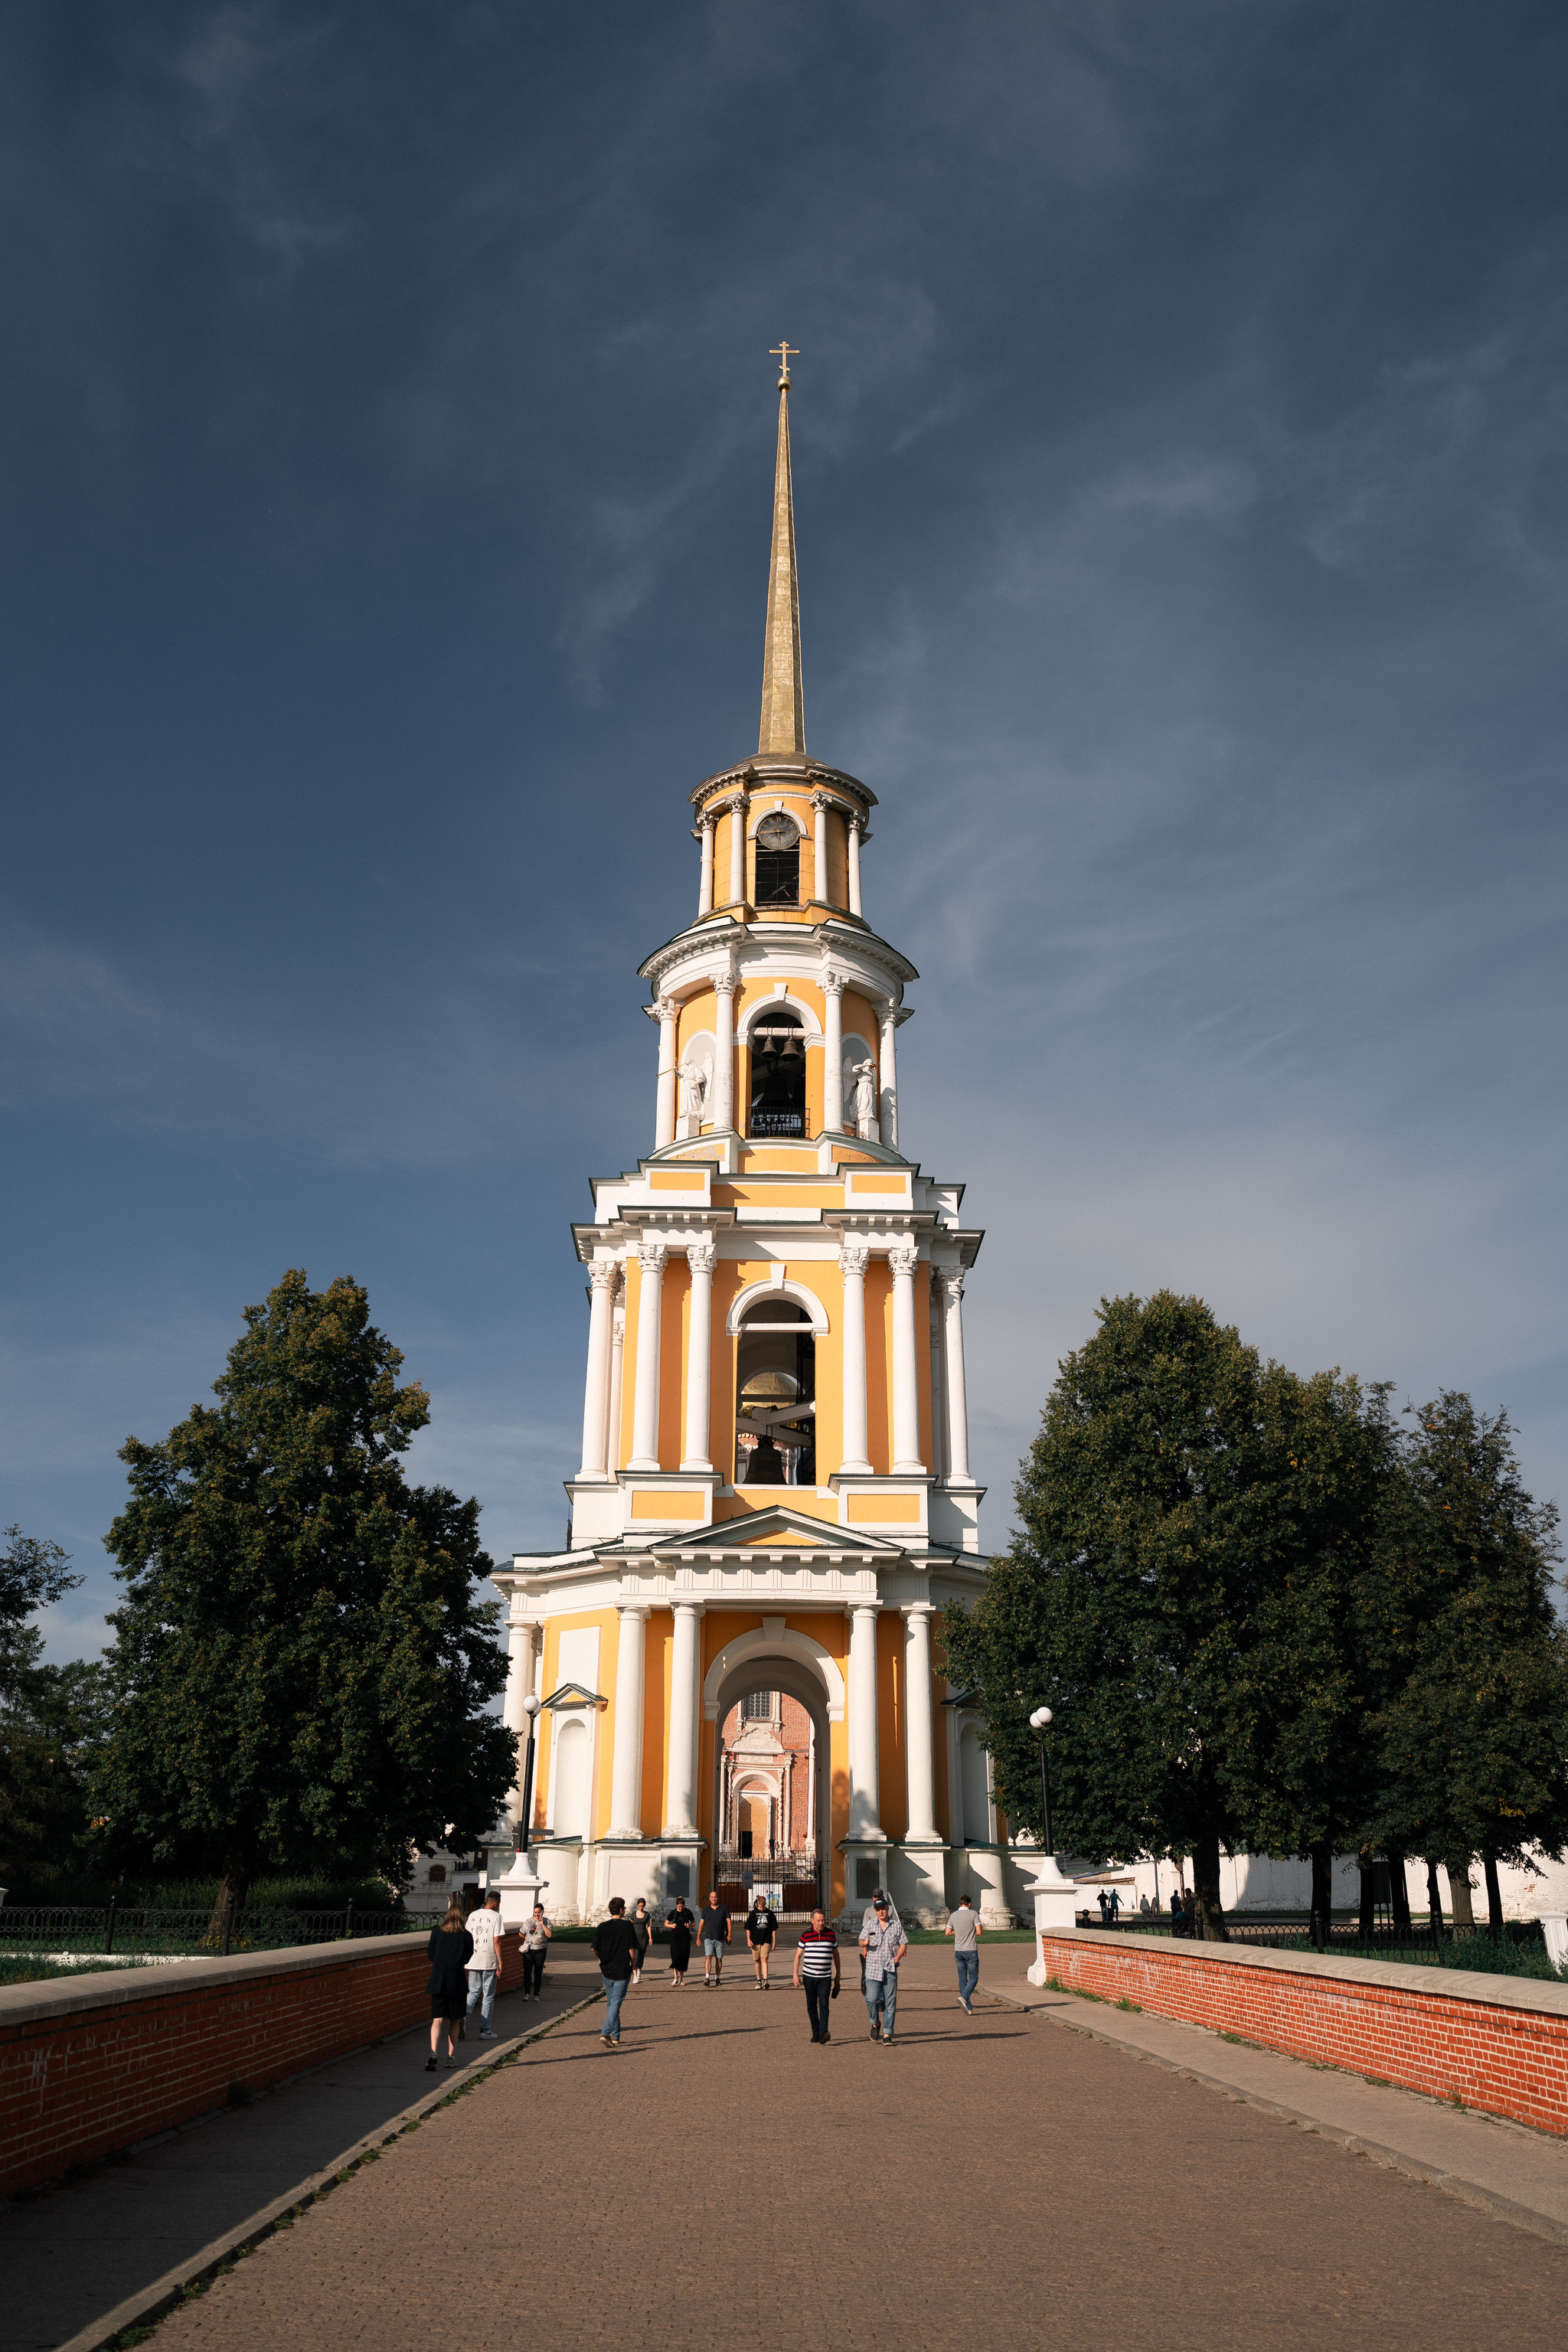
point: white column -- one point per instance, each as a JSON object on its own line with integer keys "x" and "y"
{"x": 906, "y": 1373}
{"x": 651, "y": 1256}
{"x": 820, "y": 805}
{"x": 957, "y": 1401}
{"x": 855, "y": 866}
{"x": 664, "y": 1115}
{"x": 724, "y": 1052}
{"x": 937, "y": 1383}
{"x": 518, "y": 1659}
{"x": 833, "y": 1055}
{"x": 685, "y": 1718}
{"x": 700, "y": 1257}
{"x": 889, "y": 1075}
{"x": 852, "y": 1259}
{"x": 737, "y": 808}
{"x": 626, "y": 1769}
{"x": 919, "y": 1749}
{"x": 617, "y": 1369}
{"x": 865, "y": 1803}
{"x": 602, "y": 1277}
{"x": 705, "y": 886}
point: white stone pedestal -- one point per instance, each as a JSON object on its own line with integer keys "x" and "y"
{"x": 520, "y": 1890}
{"x": 1055, "y": 1907}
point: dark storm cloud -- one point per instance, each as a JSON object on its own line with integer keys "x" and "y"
{"x": 1179, "y": 452}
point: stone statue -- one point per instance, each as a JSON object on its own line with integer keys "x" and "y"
{"x": 694, "y": 1077}
{"x": 865, "y": 1097}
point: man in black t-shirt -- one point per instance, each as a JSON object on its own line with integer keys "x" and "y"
{"x": 762, "y": 1929}
{"x": 616, "y": 1949}
{"x": 715, "y": 1936}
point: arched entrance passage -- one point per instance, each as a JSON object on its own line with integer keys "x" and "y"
{"x": 758, "y": 1664}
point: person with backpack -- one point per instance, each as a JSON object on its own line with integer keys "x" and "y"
{"x": 816, "y": 1968}
{"x": 450, "y": 1947}
{"x": 614, "y": 1949}
{"x": 882, "y": 1946}
{"x": 762, "y": 1935}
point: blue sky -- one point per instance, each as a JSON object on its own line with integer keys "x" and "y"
{"x": 1179, "y": 438}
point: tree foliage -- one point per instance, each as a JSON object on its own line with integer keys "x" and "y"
{"x": 301, "y": 1664}
{"x": 48, "y": 1715}
{"x": 1264, "y": 1619}
{"x": 1473, "y": 1731}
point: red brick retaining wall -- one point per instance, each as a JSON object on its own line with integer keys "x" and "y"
{"x": 1496, "y": 2042}
{"x": 95, "y": 2063}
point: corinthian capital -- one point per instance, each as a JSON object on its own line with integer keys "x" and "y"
{"x": 950, "y": 1285}
{"x": 703, "y": 1256}
{"x": 833, "y": 983}
{"x": 652, "y": 1258}
{"x": 853, "y": 1258}
{"x": 605, "y": 1275}
{"x": 904, "y": 1258}
{"x": 725, "y": 984}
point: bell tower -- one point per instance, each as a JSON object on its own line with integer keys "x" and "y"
{"x": 774, "y": 1475}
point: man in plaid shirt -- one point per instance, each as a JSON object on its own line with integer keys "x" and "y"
{"x": 882, "y": 1946}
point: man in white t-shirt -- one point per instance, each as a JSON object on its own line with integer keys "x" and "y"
{"x": 965, "y": 1929}
{"x": 484, "y": 1968}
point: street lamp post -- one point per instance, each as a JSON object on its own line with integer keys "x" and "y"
{"x": 1040, "y": 1723}
{"x": 525, "y": 1812}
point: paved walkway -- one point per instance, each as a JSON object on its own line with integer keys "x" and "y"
{"x": 77, "y": 2253}
{"x": 989, "y": 2180}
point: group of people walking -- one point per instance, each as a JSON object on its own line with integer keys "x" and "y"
{"x": 465, "y": 1961}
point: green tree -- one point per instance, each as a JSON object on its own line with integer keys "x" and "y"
{"x": 301, "y": 1666}
{"x": 1172, "y": 1593}
{"x": 1458, "y": 1621}
{"x": 48, "y": 1716}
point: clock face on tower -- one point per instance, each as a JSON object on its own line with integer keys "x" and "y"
{"x": 776, "y": 832}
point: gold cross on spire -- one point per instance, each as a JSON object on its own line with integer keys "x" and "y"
{"x": 784, "y": 353}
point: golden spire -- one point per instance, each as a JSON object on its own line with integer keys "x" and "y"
{"x": 784, "y": 714}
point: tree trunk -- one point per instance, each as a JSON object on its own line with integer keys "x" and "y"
{"x": 1398, "y": 1891}
{"x": 1367, "y": 1923}
{"x": 232, "y": 1887}
{"x": 1209, "y": 1927}
{"x": 1323, "y": 1893}
{"x": 1434, "y": 1900}
{"x": 1459, "y": 1888}
{"x": 1494, "y": 1896}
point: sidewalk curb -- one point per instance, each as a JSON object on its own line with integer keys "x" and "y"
{"x": 1393, "y": 2159}
{"x": 198, "y": 2269}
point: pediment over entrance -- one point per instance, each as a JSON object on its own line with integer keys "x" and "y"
{"x": 777, "y": 1525}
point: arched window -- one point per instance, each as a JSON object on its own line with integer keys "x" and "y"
{"x": 569, "y": 1803}
{"x": 776, "y": 1391}
{"x": 778, "y": 862}
{"x": 778, "y": 1074}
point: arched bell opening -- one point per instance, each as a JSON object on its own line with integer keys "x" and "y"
{"x": 778, "y": 862}
{"x": 777, "y": 1041}
{"x": 776, "y": 1395}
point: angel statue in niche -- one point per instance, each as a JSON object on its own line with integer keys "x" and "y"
{"x": 694, "y": 1077}
{"x": 865, "y": 1097}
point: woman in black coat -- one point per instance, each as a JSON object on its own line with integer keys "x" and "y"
{"x": 451, "y": 1948}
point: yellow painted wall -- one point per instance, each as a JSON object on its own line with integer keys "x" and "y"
{"x": 629, "y": 1357}
{"x": 838, "y": 858}
{"x": 668, "y": 1503}
{"x": 753, "y": 1194}
{"x": 884, "y": 1510}
{"x": 880, "y": 1363}
{"x": 863, "y": 1018}
{"x": 892, "y": 1718}
{"x": 658, "y": 1664}
{"x": 922, "y": 1358}
{"x": 675, "y": 1316}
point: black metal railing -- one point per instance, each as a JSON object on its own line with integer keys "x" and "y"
{"x": 80, "y": 1931}
{"x": 778, "y": 1122}
{"x": 791, "y": 1881}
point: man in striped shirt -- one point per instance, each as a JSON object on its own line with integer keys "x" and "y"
{"x": 817, "y": 1967}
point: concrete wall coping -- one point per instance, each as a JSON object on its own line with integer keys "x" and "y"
{"x": 1532, "y": 1993}
{"x": 31, "y": 2004}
